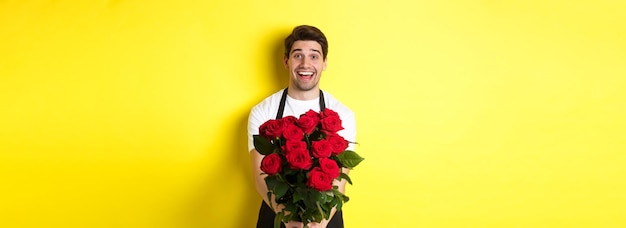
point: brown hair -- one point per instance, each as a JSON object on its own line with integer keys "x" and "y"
{"x": 306, "y": 32}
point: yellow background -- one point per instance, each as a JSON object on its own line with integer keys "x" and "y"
{"x": 484, "y": 113}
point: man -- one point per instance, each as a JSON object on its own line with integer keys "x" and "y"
{"x": 306, "y": 49}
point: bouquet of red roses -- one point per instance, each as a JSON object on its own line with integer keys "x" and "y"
{"x": 302, "y": 158}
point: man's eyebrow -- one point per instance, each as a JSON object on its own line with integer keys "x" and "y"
{"x": 298, "y": 49}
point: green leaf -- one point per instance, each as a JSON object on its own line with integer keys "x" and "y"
{"x": 339, "y": 199}
{"x": 297, "y": 197}
{"x": 309, "y": 201}
{"x": 330, "y": 195}
{"x": 345, "y": 176}
{"x": 263, "y": 145}
{"x": 269, "y": 198}
{"x": 280, "y": 189}
{"x": 335, "y": 201}
{"x": 327, "y": 211}
{"x": 337, "y": 192}
{"x": 339, "y": 205}
{"x": 349, "y": 159}
{"x": 271, "y": 181}
{"x": 317, "y": 196}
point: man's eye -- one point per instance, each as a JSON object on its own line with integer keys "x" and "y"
{"x": 297, "y": 56}
{"x": 314, "y": 57}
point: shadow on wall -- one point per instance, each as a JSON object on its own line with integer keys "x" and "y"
{"x": 250, "y": 208}
{"x": 231, "y": 178}
{"x": 205, "y": 210}
{"x": 280, "y": 73}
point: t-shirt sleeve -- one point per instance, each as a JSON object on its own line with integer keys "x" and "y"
{"x": 348, "y": 122}
{"x": 255, "y": 119}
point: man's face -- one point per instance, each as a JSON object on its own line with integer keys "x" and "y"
{"x": 305, "y": 64}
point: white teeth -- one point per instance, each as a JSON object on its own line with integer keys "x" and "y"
{"x": 305, "y": 73}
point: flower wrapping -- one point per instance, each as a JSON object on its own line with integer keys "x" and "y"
{"x": 303, "y": 156}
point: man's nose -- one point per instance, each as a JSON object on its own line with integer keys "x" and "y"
{"x": 305, "y": 61}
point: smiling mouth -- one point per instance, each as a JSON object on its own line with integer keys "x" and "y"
{"x": 305, "y": 74}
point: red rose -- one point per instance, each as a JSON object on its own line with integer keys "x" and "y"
{"x": 292, "y": 145}
{"x": 330, "y": 167}
{"x": 292, "y": 132}
{"x": 328, "y": 112}
{"x": 338, "y": 143}
{"x": 289, "y": 120}
{"x": 331, "y": 123}
{"x": 299, "y": 159}
{"x": 271, "y": 129}
{"x": 319, "y": 180}
{"x": 308, "y": 121}
{"x": 311, "y": 113}
{"x": 271, "y": 164}
{"x": 307, "y": 124}
{"x": 321, "y": 148}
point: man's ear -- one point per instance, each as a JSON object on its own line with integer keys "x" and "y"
{"x": 324, "y": 66}
{"x": 285, "y": 59}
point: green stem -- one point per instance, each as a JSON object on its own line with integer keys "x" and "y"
{"x": 278, "y": 219}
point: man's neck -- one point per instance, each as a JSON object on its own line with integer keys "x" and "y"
{"x": 303, "y": 95}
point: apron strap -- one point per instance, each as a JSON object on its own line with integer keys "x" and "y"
{"x": 281, "y": 107}
{"x": 322, "y": 103}
{"x": 283, "y": 100}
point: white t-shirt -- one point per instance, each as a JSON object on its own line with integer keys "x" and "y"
{"x": 268, "y": 108}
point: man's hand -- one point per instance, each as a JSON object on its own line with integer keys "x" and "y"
{"x": 294, "y": 224}
{"x": 322, "y": 224}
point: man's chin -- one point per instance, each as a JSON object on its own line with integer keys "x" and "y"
{"x": 305, "y": 88}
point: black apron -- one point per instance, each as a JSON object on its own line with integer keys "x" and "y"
{"x": 266, "y": 214}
